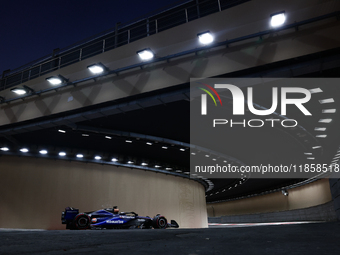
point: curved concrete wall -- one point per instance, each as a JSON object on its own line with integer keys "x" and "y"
{"x": 35, "y": 191}
{"x": 309, "y": 195}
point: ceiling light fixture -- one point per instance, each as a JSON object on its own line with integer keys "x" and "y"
{"x": 277, "y": 19}
{"x": 22, "y": 91}
{"x": 97, "y": 68}
{"x": 56, "y": 80}
{"x": 205, "y": 37}
{"x": 146, "y": 54}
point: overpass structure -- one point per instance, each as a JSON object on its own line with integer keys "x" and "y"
{"x": 122, "y": 135}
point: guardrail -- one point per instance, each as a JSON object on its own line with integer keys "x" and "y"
{"x": 122, "y": 35}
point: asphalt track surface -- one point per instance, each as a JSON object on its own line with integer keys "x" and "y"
{"x": 314, "y": 238}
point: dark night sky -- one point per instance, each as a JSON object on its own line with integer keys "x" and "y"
{"x": 32, "y": 29}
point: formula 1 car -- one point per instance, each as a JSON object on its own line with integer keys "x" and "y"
{"x": 110, "y": 218}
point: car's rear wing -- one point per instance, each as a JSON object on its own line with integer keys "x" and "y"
{"x": 68, "y": 215}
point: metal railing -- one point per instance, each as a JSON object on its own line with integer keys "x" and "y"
{"x": 122, "y": 35}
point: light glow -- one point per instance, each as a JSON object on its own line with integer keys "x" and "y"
{"x": 4, "y": 149}
{"x": 54, "y": 80}
{"x": 24, "y": 150}
{"x": 62, "y": 154}
{"x": 96, "y": 68}
{"x": 19, "y": 91}
{"x": 43, "y": 152}
{"x": 146, "y": 54}
{"x": 205, "y": 38}
{"x": 278, "y": 19}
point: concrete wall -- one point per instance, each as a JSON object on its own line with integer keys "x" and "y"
{"x": 35, "y": 191}
{"x": 313, "y": 194}
{"x": 335, "y": 189}
{"x": 323, "y": 212}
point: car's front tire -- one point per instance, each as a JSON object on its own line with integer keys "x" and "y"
{"x": 159, "y": 222}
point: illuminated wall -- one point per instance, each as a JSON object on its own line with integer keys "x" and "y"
{"x": 309, "y": 195}
{"x": 35, "y": 191}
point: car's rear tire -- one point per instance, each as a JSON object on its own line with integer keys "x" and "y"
{"x": 159, "y": 222}
{"x": 82, "y": 221}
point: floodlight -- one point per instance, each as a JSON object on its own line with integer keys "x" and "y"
{"x": 62, "y": 154}
{"x": 97, "y": 68}
{"x": 24, "y": 150}
{"x": 277, "y": 19}
{"x": 97, "y": 157}
{"x": 146, "y": 54}
{"x": 4, "y": 149}
{"x": 56, "y": 80}
{"x": 43, "y": 152}
{"x": 22, "y": 91}
{"x": 205, "y": 37}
